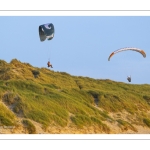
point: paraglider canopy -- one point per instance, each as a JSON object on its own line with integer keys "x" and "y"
{"x": 128, "y": 48}
{"x": 46, "y": 31}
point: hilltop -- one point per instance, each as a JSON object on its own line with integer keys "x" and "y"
{"x": 39, "y": 100}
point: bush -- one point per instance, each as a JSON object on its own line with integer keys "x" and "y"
{"x": 35, "y": 73}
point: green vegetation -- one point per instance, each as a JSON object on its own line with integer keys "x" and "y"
{"x": 7, "y": 118}
{"x": 147, "y": 121}
{"x": 125, "y": 125}
{"x": 30, "y": 127}
{"x": 55, "y": 98}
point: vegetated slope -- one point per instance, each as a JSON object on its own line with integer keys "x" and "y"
{"x": 39, "y": 100}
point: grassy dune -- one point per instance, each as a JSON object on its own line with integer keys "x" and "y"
{"x": 58, "y": 99}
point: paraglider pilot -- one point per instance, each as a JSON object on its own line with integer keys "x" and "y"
{"x": 49, "y": 64}
{"x": 129, "y": 78}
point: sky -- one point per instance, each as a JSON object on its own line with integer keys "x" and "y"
{"x": 81, "y": 45}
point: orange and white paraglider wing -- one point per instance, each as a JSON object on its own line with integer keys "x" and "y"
{"x": 128, "y": 48}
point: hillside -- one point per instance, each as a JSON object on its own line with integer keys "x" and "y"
{"x": 39, "y": 100}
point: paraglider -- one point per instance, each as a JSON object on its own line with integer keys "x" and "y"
{"x": 127, "y": 48}
{"x": 129, "y": 78}
{"x": 140, "y": 51}
{"x": 46, "y": 31}
{"x": 49, "y": 64}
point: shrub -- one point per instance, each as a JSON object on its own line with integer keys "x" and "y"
{"x": 35, "y": 73}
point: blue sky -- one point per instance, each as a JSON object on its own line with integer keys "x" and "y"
{"x": 81, "y": 45}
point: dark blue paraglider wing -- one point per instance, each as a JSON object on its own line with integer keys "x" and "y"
{"x": 46, "y": 31}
